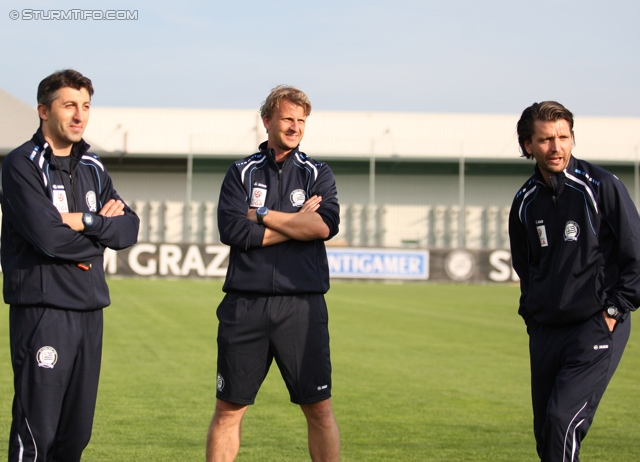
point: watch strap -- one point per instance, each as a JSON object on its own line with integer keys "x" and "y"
{"x": 613, "y": 312}
{"x": 260, "y": 216}
{"x": 87, "y": 220}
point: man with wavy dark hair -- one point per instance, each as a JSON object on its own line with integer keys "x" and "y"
{"x": 276, "y": 209}
{"x": 60, "y": 212}
{"x": 575, "y": 244}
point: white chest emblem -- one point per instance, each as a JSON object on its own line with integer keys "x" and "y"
{"x": 298, "y": 197}
{"x": 91, "y": 201}
{"x": 571, "y": 231}
{"x": 542, "y": 234}
{"x": 60, "y": 198}
{"x": 258, "y": 196}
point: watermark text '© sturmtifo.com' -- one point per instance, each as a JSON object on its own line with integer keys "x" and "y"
{"x": 74, "y": 15}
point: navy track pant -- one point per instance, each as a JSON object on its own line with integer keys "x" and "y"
{"x": 571, "y": 367}
{"x": 56, "y": 358}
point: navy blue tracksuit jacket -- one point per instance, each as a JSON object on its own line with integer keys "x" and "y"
{"x": 39, "y": 252}
{"x": 574, "y": 261}
{"x": 289, "y": 267}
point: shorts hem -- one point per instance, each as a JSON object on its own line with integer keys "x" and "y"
{"x": 237, "y": 401}
{"x": 315, "y": 399}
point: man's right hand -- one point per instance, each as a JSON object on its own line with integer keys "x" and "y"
{"x": 113, "y": 208}
{"x": 311, "y": 205}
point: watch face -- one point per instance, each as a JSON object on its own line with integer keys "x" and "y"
{"x": 612, "y": 311}
{"x": 262, "y": 211}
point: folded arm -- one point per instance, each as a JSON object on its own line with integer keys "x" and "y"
{"x": 304, "y": 225}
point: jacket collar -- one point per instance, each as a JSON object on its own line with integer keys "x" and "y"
{"x": 77, "y": 150}
{"x": 271, "y": 153}
{"x": 557, "y": 180}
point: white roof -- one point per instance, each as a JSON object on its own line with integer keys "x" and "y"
{"x": 347, "y": 135}
{"x": 18, "y": 122}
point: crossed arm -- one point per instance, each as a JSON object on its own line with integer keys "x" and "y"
{"x": 113, "y": 208}
{"x": 305, "y": 225}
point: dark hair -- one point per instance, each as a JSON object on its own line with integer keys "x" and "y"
{"x": 287, "y": 92}
{"x": 48, "y": 88}
{"x": 547, "y": 111}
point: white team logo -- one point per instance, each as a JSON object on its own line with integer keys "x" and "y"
{"x": 571, "y": 231}
{"x": 258, "y": 196}
{"x": 47, "y": 357}
{"x": 91, "y": 201}
{"x": 60, "y": 198}
{"x": 542, "y": 234}
{"x": 298, "y": 197}
{"x": 220, "y": 383}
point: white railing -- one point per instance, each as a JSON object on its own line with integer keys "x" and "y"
{"x": 394, "y": 226}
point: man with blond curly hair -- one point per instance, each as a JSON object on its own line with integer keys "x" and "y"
{"x": 276, "y": 209}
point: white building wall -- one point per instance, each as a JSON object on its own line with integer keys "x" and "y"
{"x": 235, "y": 133}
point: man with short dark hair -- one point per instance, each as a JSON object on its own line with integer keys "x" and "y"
{"x": 575, "y": 244}
{"x": 60, "y": 212}
{"x": 276, "y": 209}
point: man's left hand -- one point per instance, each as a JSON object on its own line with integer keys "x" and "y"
{"x": 609, "y": 320}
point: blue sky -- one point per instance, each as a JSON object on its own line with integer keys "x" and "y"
{"x": 455, "y": 56}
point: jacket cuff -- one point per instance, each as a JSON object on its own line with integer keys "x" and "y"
{"x": 327, "y": 217}
{"x": 257, "y": 236}
{"x": 98, "y": 222}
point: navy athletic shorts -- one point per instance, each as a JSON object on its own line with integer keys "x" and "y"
{"x": 254, "y": 329}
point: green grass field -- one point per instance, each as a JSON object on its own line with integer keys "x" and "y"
{"x": 422, "y": 372}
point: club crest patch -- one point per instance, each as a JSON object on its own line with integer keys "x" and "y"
{"x": 47, "y": 357}
{"x": 571, "y": 231}
{"x": 298, "y": 197}
{"x": 220, "y": 382}
{"x": 91, "y": 201}
{"x": 258, "y": 196}
{"x": 542, "y": 234}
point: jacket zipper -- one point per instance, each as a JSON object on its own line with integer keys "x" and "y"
{"x": 555, "y": 211}
{"x": 275, "y": 250}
